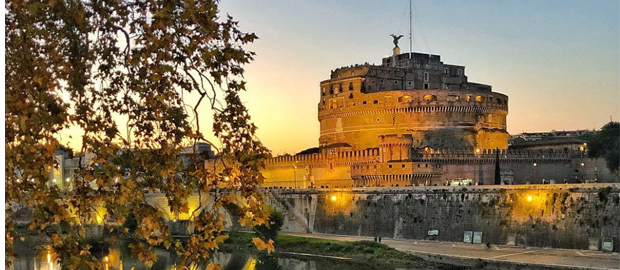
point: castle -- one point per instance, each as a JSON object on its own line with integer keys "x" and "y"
{"x": 414, "y": 120}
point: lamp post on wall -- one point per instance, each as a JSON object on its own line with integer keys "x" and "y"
{"x": 535, "y": 171}
{"x": 295, "y": 173}
{"x": 477, "y": 167}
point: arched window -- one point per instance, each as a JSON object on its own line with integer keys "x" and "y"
{"x": 479, "y": 98}
{"x": 351, "y": 96}
{"x": 404, "y": 98}
{"x": 453, "y": 98}
{"x": 430, "y": 98}
{"x": 351, "y": 86}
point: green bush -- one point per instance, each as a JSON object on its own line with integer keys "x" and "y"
{"x": 276, "y": 220}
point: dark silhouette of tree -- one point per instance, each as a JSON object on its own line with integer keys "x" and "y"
{"x": 83, "y": 63}
{"x": 606, "y": 144}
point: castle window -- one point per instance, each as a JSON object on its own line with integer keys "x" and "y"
{"x": 459, "y": 72}
{"x": 499, "y": 101}
{"x": 425, "y": 165}
{"x": 350, "y": 96}
{"x": 430, "y": 98}
{"x": 402, "y": 166}
{"x": 390, "y": 166}
{"x": 426, "y": 76}
{"x": 331, "y": 90}
{"x": 409, "y": 83}
{"x": 378, "y": 119}
{"x": 375, "y": 101}
{"x": 340, "y": 88}
{"x": 364, "y": 102}
{"x": 352, "y": 73}
{"x": 381, "y": 81}
{"x": 426, "y": 86}
{"x": 395, "y": 82}
{"x": 351, "y": 86}
{"x": 479, "y": 98}
{"x": 418, "y": 165}
{"x": 446, "y": 71}
{"x": 468, "y": 98}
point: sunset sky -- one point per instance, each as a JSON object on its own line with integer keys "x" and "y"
{"x": 558, "y": 61}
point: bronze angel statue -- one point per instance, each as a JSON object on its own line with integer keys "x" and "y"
{"x": 396, "y": 38}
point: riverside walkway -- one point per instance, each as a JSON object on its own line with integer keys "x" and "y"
{"x": 498, "y": 257}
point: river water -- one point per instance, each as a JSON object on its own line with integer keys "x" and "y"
{"x": 120, "y": 258}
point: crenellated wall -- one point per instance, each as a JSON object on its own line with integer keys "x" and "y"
{"x": 394, "y": 163}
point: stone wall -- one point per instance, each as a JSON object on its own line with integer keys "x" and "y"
{"x": 559, "y": 216}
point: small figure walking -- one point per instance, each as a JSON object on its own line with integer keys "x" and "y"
{"x": 379, "y": 239}
{"x": 488, "y": 245}
{"x": 375, "y": 239}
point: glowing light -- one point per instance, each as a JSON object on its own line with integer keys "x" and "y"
{"x": 334, "y": 198}
{"x": 478, "y": 150}
{"x": 49, "y": 257}
{"x": 68, "y": 179}
{"x": 535, "y": 164}
{"x": 116, "y": 180}
{"x": 582, "y": 164}
{"x": 529, "y": 198}
{"x": 106, "y": 259}
{"x": 54, "y": 180}
{"x": 226, "y": 178}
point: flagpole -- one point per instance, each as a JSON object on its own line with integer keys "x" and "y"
{"x": 410, "y": 32}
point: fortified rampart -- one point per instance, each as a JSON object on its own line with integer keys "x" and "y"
{"x": 560, "y": 216}
{"x": 394, "y": 164}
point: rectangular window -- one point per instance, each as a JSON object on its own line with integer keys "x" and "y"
{"x": 426, "y": 76}
{"x": 459, "y": 72}
{"x": 426, "y": 86}
{"x": 446, "y": 71}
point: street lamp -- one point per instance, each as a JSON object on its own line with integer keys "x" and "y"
{"x": 295, "y": 172}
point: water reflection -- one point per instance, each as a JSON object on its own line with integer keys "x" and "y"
{"x": 121, "y": 259}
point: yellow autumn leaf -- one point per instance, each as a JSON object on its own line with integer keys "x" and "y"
{"x": 213, "y": 266}
{"x": 262, "y": 245}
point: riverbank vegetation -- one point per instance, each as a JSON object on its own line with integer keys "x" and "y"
{"x": 375, "y": 255}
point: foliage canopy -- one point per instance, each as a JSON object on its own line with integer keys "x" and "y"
{"x": 606, "y": 144}
{"x": 89, "y": 64}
